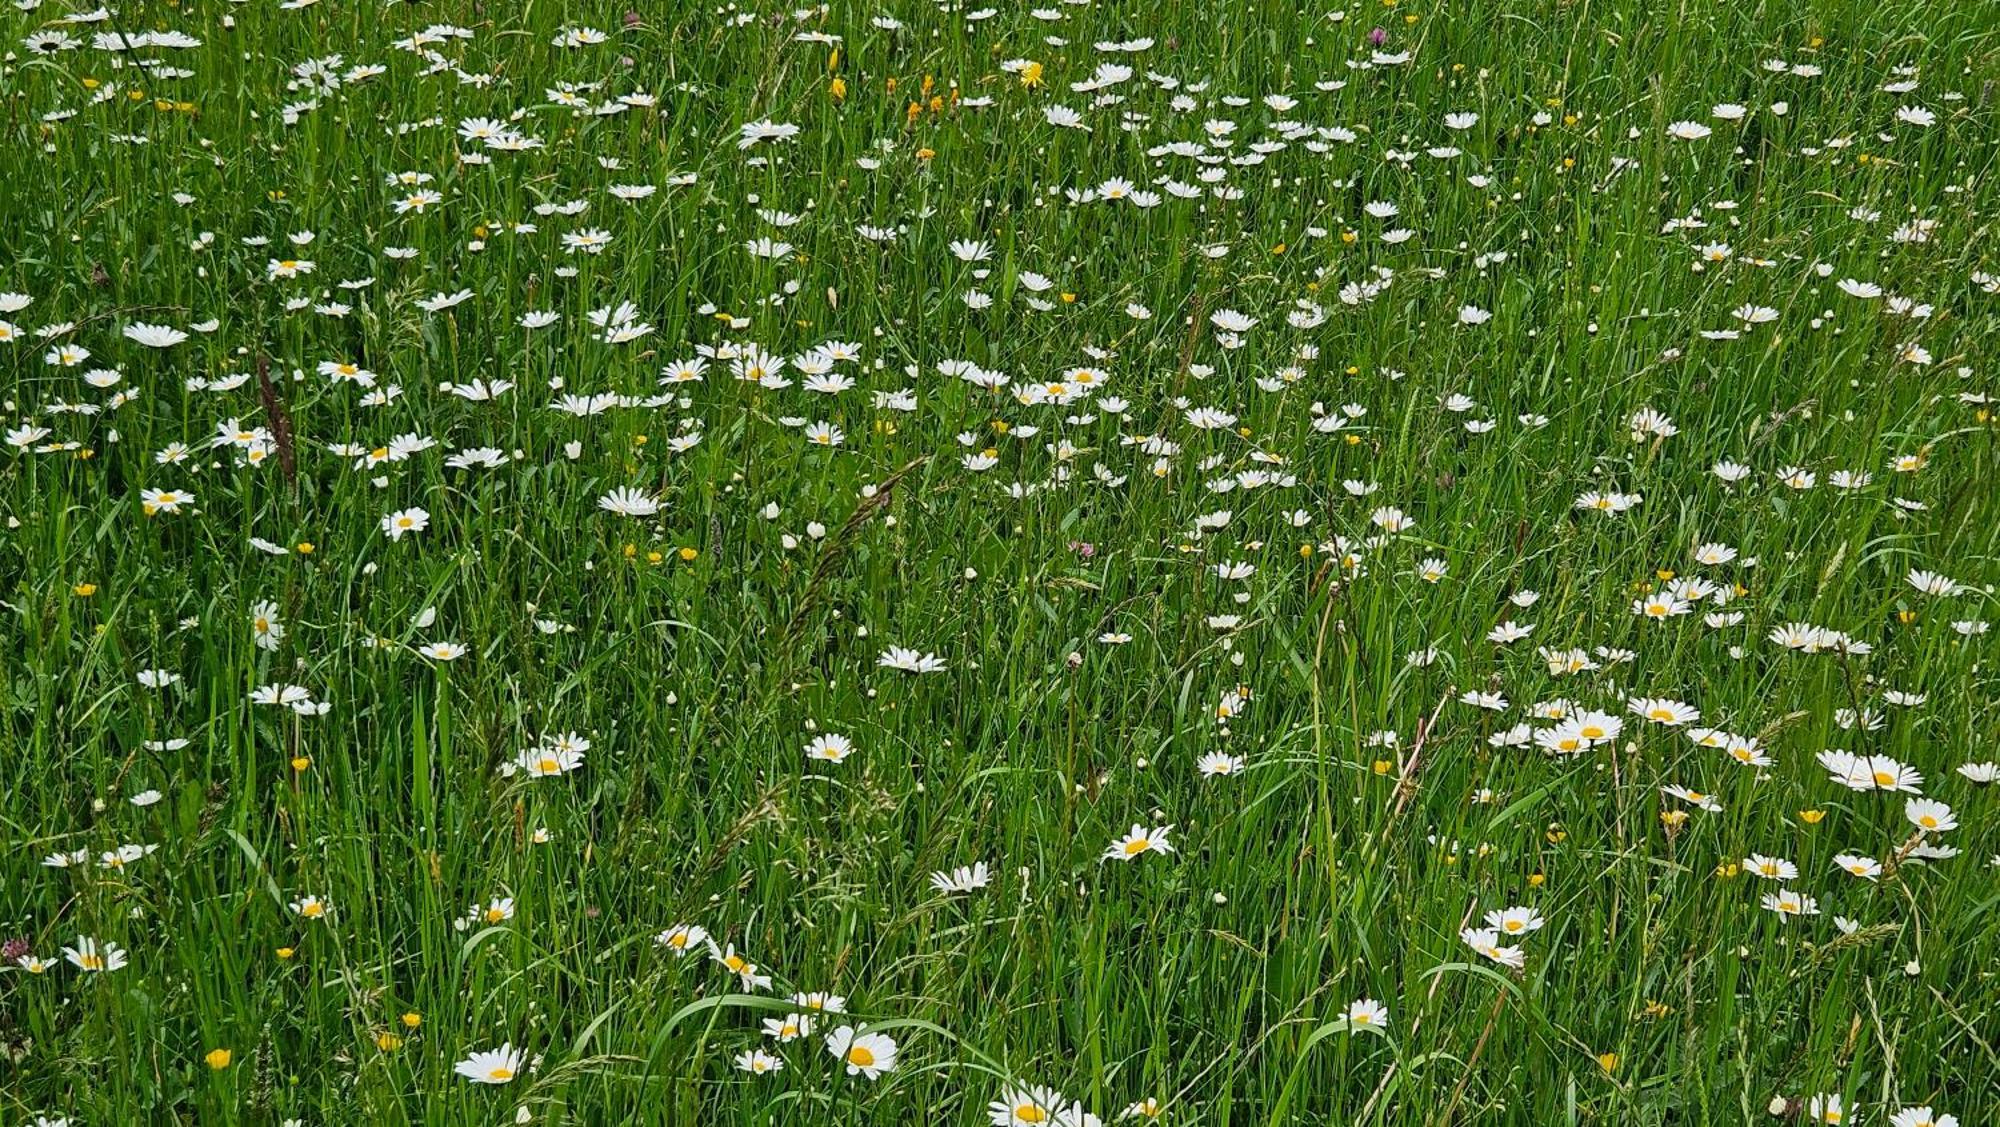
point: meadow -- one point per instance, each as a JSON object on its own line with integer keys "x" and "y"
{"x": 1204, "y": 563}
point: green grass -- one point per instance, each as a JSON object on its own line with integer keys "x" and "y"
{"x": 700, "y": 648}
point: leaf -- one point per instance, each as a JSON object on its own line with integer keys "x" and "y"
{"x": 478, "y": 939}
{"x": 724, "y": 1001}
{"x": 589, "y": 1031}
{"x": 1337, "y": 1025}
{"x": 257, "y": 863}
{"x": 1506, "y": 983}
{"x": 1525, "y": 803}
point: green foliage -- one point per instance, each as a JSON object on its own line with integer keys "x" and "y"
{"x": 490, "y": 844}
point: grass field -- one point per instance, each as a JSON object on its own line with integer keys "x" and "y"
{"x": 1220, "y": 563}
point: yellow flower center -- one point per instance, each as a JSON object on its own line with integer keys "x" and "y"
{"x": 860, "y": 1057}
{"x": 501, "y": 1074}
{"x": 1030, "y": 1113}
{"x": 1136, "y": 846}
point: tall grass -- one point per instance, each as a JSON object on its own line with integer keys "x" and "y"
{"x": 701, "y": 648}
